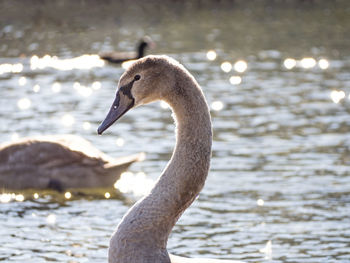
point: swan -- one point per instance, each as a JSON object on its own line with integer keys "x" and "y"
{"x": 59, "y": 162}
{"x": 120, "y": 57}
{"x": 142, "y": 234}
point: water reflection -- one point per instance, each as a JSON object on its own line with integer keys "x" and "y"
{"x": 22, "y": 81}
{"x": 211, "y": 55}
{"x": 226, "y": 66}
{"x": 81, "y": 62}
{"x": 67, "y": 195}
{"x": 337, "y": 95}
{"x": 67, "y": 120}
{"x": 24, "y": 103}
{"x": 323, "y": 63}
{"x": 51, "y": 219}
{"x": 240, "y": 66}
{"x": 289, "y": 63}
{"x": 36, "y": 88}
{"x": 56, "y": 87}
{"x": 11, "y": 68}
{"x": 217, "y": 105}
{"x": 137, "y": 184}
{"x": 235, "y": 80}
{"x": 86, "y": 125}
{"x": 308, "y": 63}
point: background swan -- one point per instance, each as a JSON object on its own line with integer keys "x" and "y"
{"x": 58, "y": 162}
{"x": 120, "y": 57}
{"x": 142, "y": 234}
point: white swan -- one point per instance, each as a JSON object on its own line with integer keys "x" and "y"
{"x": 142, "y": 234}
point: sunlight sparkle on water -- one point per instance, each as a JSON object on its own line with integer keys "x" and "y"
{"x": 14, "y": 137}
{"x": 51, "y": 219}
{"x": 289, "y": 63}
{"x": 86, "y": 125}
{"x": 119, "y": 142}
{"x": 36, "y": 88}
{"x": 24, "y": 103}
{"x": 67, "y": 195}
{"x": 96, "y": 85}
{"x": 240, "y": 66}
{"x": 235, "y": 80}
{"x": 22, "y": 81}
{"x": 107, "y": 195}
{"x": 82, "y": 90}
{"x": 128, "y": 63}
{"x": 226, "y": 66}
{"x": 81, "y": 62}
{"x": 5, "y": 198}
{"x": 8, "y": 197}
{"x": 36, "y": 195}
{"x": 217, "y": 105}
{"x": 19, "y": 198}
{"x": 337, "y": 95}
{"x": 56, "y": 87}
{"x": 8, "y": 68}
{"x": 67, "y": 120}
{"x": 137, "y": 184}
{"x": 323, "y": 63}
{"x": 308, "y": 63}
{"x": 260, "y": 202}
{"x": 267, "y": 250}
{"x": 211, "y": 55}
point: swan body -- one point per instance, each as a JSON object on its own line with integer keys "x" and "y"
{"x": 120, "y": 57}
{"x": 142, "y": 234}
{"x": 58, "y": 162}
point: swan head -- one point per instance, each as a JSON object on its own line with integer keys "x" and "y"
{"x": 146, "y": 80}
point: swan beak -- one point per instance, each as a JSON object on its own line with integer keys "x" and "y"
{"x": 122, "y": 103}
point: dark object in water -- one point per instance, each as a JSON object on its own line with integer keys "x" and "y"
{"x": 58, "y": 162}
{"x": 120, "y": 57}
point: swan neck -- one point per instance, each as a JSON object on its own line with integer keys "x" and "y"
{"x": 149, "y": 222}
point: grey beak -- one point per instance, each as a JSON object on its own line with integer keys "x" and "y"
{"x": 120, "y": 106}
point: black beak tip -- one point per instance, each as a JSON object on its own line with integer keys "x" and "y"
{"x": 99, "y": 131}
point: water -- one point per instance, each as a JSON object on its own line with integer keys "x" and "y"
{"x": 278, "y": 190}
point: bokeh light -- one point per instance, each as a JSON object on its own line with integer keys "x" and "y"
{"x": 217, "y": 105}
{"x": 24, "y": 103}
{"x": 240, "y": 66}
{"x": 86, "y": 125}
{"x": 226, "y": 66}
{"x": 119, "y": 142}
{"x": 68, "y": 195}
{"x": 81, "y": 62}
{"x": 289, "y": 63}
{"x": 137, "y": 184}
{"x": 22, "y": 81}
{"x": 56, "y": 87}
{"x": 67, "y": 120}
{"x": 211, "y": 55}
{"x": 308, "y": 63}
{"x": 323, "y": 63}
{"x": 51, "y": 219}
{"x": 337, "y": 95}
{"x": 36, "y": 88}
{"x": 235, "y": 80}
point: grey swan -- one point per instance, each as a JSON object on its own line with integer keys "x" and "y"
{"x": 58, "y": 162}
{"x": 142, "y": 234}
{"x": 120, "y": 57}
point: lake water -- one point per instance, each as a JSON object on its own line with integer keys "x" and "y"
{"x": 278, "y": 189}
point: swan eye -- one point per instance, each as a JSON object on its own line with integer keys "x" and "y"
{"x": 137, "y": 77}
